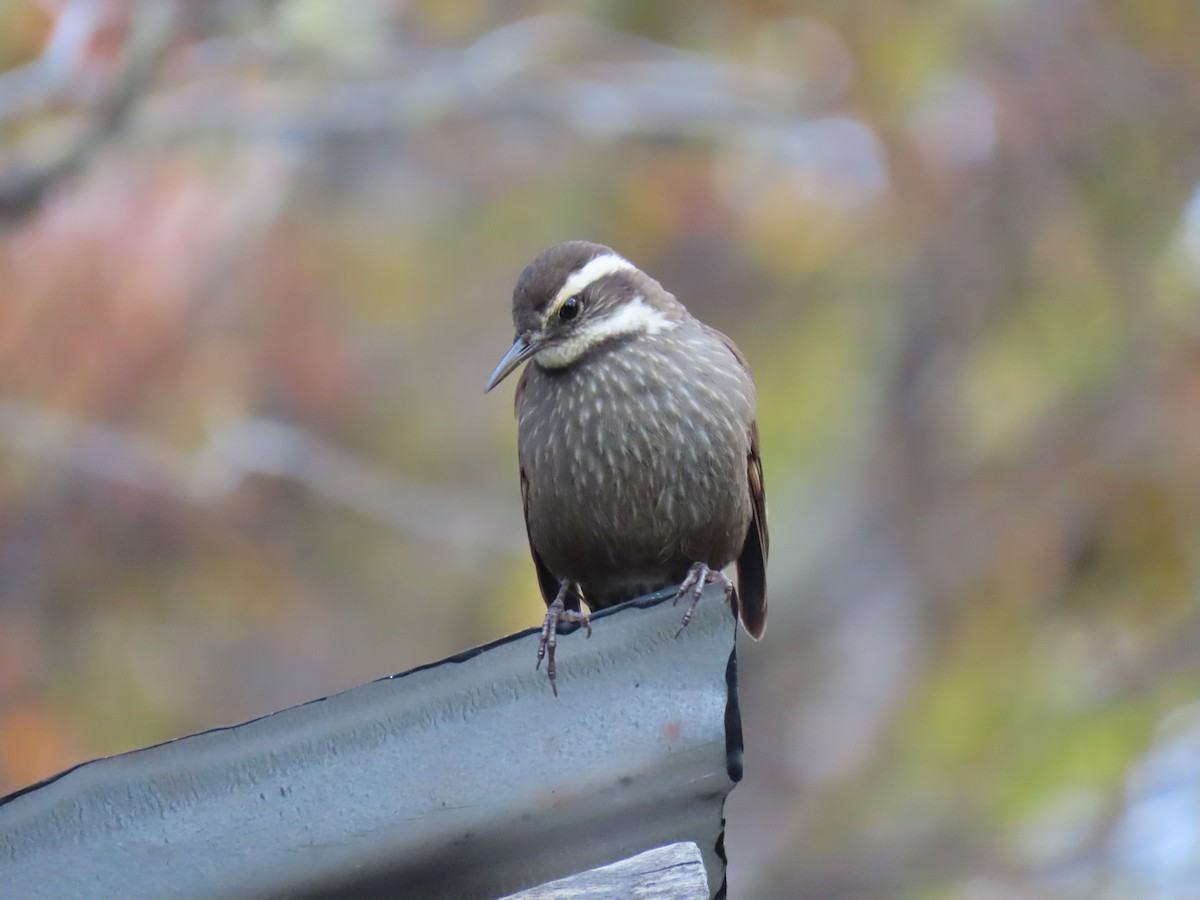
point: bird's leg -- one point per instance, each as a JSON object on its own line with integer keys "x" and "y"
{"x": 698, "y": 576}
{"x": 557, "y": 612}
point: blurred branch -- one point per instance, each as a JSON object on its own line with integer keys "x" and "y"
{"x": 611, "y": 83}
{"x": 22, "y": 186}
{"x": 265, "y": 448}
{"x": 47, "y": 78}
{"x": 562, "y": 71}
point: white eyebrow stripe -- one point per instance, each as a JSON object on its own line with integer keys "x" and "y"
{"x": 591, "y": 272}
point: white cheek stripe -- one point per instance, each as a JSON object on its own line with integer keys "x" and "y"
{"x": 634, "y": 317}
{"x": 590, "y": 272}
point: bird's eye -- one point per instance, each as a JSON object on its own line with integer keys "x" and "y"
{"x": 569, "y": 309}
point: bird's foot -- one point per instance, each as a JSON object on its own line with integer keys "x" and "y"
{"x": 698, "y": 577}
{"x": 557, "y": 613}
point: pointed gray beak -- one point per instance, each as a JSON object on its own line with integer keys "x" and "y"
{"x": 520, "y": 351}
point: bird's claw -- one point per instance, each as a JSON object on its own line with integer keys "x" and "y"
{"x": 557, "y": 613}
{"x": 698, "y": 577}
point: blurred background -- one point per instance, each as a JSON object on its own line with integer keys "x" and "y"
{"x": 256, "y": 261}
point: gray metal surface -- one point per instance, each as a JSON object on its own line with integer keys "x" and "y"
{"x": 464, "y": 778}
{"x": 675, "y": 871}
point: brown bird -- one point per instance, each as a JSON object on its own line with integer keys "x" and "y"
{"x": 637, "y": 441}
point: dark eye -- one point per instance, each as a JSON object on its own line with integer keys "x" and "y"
{"x": 569, "y": 309}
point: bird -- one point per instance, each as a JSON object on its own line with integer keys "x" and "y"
{"x": 637, "y": 442}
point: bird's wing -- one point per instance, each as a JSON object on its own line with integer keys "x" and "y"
{"x": 752, "y": 561}
{"x": 548, "y": 584}
{"x": 546, "y": 581}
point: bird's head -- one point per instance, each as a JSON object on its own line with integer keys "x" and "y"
{"x": 576, "y": 296}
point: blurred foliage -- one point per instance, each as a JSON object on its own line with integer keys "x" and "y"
{"x": 959, "y": 241}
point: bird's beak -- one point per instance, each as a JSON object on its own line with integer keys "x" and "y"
{"x": 520, "y": 351}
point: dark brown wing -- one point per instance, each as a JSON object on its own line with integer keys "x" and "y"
{"x": 547, "y": 583}
{"x": 752, "y": 561}
{"x": 546, "y": 580}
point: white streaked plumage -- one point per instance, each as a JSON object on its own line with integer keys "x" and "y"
{"x": 638, "y": 456}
